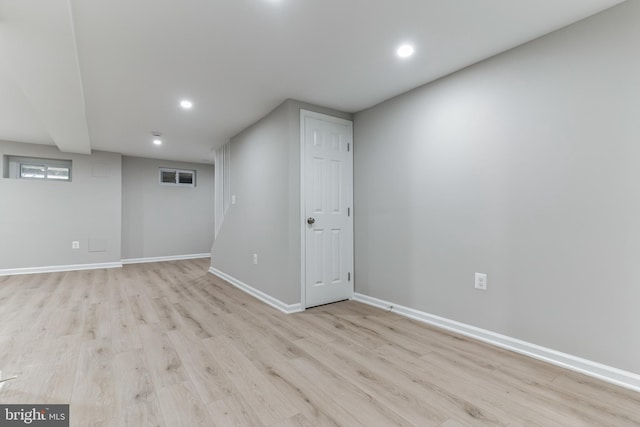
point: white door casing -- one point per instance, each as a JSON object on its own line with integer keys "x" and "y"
{"x": 327, "y": 208}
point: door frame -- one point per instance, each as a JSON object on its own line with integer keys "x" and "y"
{"x": 303, "y": 251}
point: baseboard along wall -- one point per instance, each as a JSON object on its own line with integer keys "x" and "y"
{"x": 267, "y": 299}
{"x": 164, "y": 258}
{"x": 58, "y": 268}
{"x": 597, "y": 370}
{"x": 97, "y": 266}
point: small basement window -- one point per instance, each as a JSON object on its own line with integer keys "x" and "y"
{"x": 37, "y": 168}
{"x": 179, "y": 177}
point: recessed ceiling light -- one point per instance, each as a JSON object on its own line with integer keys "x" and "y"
{"x": 405, "y": 51}
{"x": 186, "y": 104}
{"x": 156, "y": 138}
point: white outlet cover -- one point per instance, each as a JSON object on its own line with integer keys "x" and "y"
{"x": 480, "y": 281}
{"x": 233, "y": 199}
{"x": 75, "y": 245}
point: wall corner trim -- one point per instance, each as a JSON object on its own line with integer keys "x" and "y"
{"x": 267, "y": 299}
{"x": 597, "y": 370}
{"x": 164, "y": 258}
{"x": 58, "y": 268}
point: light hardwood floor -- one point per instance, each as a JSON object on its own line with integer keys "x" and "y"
{"x": 168, "y": 344}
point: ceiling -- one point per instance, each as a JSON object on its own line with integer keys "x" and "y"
{"x": 104, "y": 75}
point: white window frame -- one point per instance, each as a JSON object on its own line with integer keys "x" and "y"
{"x": 177, "y": 182}
{"x": 16, "y": 164}
{"x": 46, "y": 171}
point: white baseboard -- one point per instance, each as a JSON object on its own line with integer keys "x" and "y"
{"x": 606, "y": 373}
{"x": 267, "y": 299}
{"x": 58, "y": 268}
{"x": 164, "y": 258}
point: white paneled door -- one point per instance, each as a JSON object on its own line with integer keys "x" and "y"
{"x": 327, "y": 208}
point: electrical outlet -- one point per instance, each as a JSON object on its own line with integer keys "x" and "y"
{"x": 481, "y": 281}
{"x": 233, "y": 199}
{"x": 75, "y": 244}
{"x": 255, "y": 259}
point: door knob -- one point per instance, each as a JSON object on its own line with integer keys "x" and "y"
{"x": 311, "y": 220}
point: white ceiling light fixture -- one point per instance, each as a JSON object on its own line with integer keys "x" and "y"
{"x": 186, "y": 104}
{"x": 157, "y": 140}
{"x": 405, "y": 51}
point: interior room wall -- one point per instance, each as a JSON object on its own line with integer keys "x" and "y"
{"x": 524, "y": 167}
{"x": 258, "y": 223}
{"x": 163, "y": 221}
{"x": 265, "y": 220}
{"x": 40, "y": 219}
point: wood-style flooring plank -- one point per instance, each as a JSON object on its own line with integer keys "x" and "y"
{"x": 93, "y": 398}
{"x": 162, "y": 359}
{"x": 132, "y": 380}
{"x": 181, "y": 407}
{"x": 265, "y": 399}
{"x": 206, "y": 374}
{"x": 233, "y": 412}
{"x": 143, "y": 414}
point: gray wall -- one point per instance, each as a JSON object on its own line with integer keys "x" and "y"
{"x": 160, "y": 220}
{"x": 524, "y": 167}
{"x": 40, "y": 219}
{"x": 265, "y": 178}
